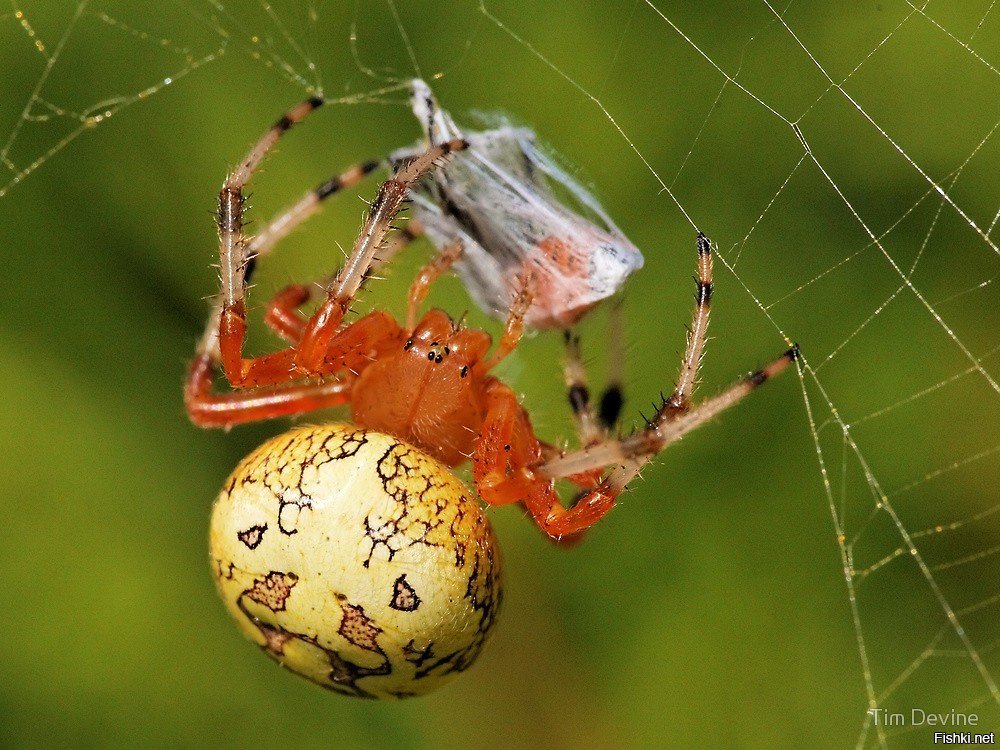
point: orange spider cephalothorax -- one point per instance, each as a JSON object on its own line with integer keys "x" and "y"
{"x": 430, "y": 390}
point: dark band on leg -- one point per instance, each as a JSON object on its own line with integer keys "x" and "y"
{"x": 579, "y": 397}
{"x": 298, "y": 113}
{"x": 610, "y": 410}
{"x": 704, "y": 244}
{"x": 703, "y": 295}
{"x": 352, "y": 176}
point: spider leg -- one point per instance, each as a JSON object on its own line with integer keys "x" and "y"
{"x": 233, "y": 243}
{"x": 588, "y": 430}
{"x": 430, "y": 273}
{"x": 501, "y": 463}
{"x": 351, "y": 350}
{"x": 275, "y": 382}
{"x": 304, "y": 208}
{"x": 326, "y": 320}
{"x": 506, "y": 445}
{"x": 578, "y": 394}
{"x": 628, "y": 455}
{"x": 357, "y": 345}
{"x": 282, "y": 312}
{"x": 309, "y": 204}
{"x": 234, "y": 260}
{"x": 308, "y": 355}
{"x": 209, "y": 409}
{"x": 680, "y": 400}
{"x": 613, "y": 397}
{"x": 280, "y": 316}
{"x": 592, "y": 425}
{"x": 237, "y": 254}
{"x": 503, "y": 480}
{"x": 514, "y": 327}
{"x": 678, "y": 404}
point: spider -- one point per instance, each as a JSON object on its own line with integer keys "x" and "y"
{"x": 422, "y": 392}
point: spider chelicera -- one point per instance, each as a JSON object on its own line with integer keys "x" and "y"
{"x": 350, "y": 552}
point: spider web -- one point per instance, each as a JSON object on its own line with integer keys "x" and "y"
{"x": 904, "y": 447}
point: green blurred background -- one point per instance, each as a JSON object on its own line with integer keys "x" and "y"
{"x": 710, "y": 609}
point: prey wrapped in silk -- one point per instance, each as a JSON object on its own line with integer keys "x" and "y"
{"x": 520, "y": 219}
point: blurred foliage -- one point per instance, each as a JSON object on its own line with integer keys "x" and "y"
{"x": 710, "y": 608}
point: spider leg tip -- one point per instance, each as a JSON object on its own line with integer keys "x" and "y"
{"x": 704, "y": 244}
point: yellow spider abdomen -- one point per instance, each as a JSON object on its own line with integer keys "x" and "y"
{"x": 356, "y": 560}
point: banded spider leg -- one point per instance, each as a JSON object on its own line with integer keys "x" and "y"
{"x": 619, "y": 460}
{"x": 273, "y": 383}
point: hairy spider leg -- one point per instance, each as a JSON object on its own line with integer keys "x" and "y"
{"x": 237, "y": 252}
{"x": 283, "y": 395}
{"x": 428, "y": 274}
{"x": 307, "y": 356}
{"x": 501, "y": 465}
{"x": 628, "y": 455}
{"x": 233, "y": 242}
{"x": 593, "y": 427}
{"x": 303, "y": 209}
{"x": 236, "y": 262}
{"x": 680, "y": 400}
{"x": 282, "y": 312}
{"x": 325, "y": 322}
{"x": 613, "y": 397}
{"x": 533, "y": 485}
{"x": 350, "y": 351}
{"x": 513, "y": 329}
{"x": 595, "y": 424}
{"x": 209, "y": 409}
{"x": 281, "y": 316}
